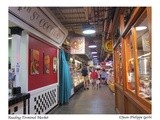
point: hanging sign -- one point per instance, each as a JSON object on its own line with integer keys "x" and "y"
{"x": 39, "y": 19}
{"x": 77, "y": 45}
{"x": 108, "y": 46}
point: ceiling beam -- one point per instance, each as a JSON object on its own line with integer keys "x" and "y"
{"x": 61, "y": 14}
{"x": 87, "y": 11}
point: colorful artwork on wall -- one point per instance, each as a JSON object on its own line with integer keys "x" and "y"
{"x": 46, "y": 67}
{"x": 54, "y": 64}
{"x": 34, "y": 61}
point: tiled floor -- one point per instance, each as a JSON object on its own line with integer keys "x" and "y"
{"x": 90, "y": 101}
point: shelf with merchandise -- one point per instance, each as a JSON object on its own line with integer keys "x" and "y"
{"x": 75, "y": 68}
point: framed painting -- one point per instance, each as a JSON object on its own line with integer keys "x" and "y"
{"x": 46, "y": 67}
{"x": 54, "y": 64}
{"x": 34, "y": 61}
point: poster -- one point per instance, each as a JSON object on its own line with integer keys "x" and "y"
{"x": 46, "y": 67}
{"x": 34, "y": 61}
{"x": 54, "y": 64}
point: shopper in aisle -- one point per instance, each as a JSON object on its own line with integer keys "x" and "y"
{"x": 94, "y": 78}
{"x": 99, "y": 77}
{"x": 103, "y": 76}
{"x": 85, "y": 76}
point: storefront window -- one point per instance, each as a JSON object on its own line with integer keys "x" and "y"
{"x": 144, "y": 56}
{"x": 130, "y": 63}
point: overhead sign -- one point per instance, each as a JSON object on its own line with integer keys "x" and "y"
{"x": 108, "y": 46}
{"x": 77, "y": 45}
{"x": 39, "y": 19}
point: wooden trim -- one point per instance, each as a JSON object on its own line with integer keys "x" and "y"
{"x": 124, "y": 64}
{"x": 115, "y": 60}
{"x": 121, "y": 23}
{"x": 132, "y": 20}
{"x": 119, "y": 87}
{"x": 115, "y": 70}
{"x": 136, "y": 69}
{"x": 137, "y": 103}
{"x": 118, "y": 41}
{"x": 145, "y": 102}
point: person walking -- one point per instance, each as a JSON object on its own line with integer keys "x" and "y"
{"x": 85, "y": 77}
{"x": 103, "y": 76}
{"x": 94, "y": 77}
{"x": 99, "y": 77}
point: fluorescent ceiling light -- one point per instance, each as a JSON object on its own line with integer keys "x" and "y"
{"x": 95, "y": 56}
{"x": 140, "y": 28}
{"x": 96, "y": 60}
{"x": 92, "y": 46}
{"x": 89, "y": 31}
{"x": 94, "y": 52}
{"x": 10, "y": 38}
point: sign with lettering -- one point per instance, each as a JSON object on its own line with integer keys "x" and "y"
{"x": 39, "y": 20}
{"x": 78, "y": 45}
{"x": 108, "y": 46}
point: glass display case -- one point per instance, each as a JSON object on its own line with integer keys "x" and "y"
{"x": 133, "y": 57}
{"x": 138, "y": 58}
{"x": 75, "y": 68}
{"x": 77, "y": 78}
{"x": 143, "y": 49}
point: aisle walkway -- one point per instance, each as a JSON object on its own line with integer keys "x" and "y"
{"x": 90, "y": 101}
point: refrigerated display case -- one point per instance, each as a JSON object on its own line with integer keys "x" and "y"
{"x": 77, "y": 78}
{"x": 75, "y": 68}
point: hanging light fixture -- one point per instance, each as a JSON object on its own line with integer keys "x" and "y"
{"x": 140, "y": 28}
{"x": 88, "y": 29}
{"x": 95, "y": 56}
{"x": 92, "y": 46}
{"x": 94, "y": 52}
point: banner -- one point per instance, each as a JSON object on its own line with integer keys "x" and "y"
{"x": 77, "y": 45}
